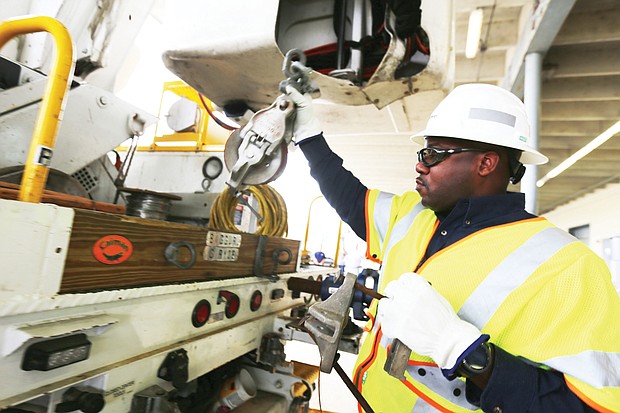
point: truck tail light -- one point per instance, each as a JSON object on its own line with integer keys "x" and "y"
{"x": 256, "y": 300}
{"x": 201, "y": 313}
{"x": 232, "y": 303}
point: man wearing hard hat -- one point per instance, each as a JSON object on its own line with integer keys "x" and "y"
{"x": 503, "y": 311}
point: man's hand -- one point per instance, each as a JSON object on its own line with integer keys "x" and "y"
{"x": 424, "y": 320}
{"x": 306, "y": 125}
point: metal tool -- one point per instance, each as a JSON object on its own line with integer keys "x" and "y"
{"x": 325, "y": 323}
{"x": 327, "y": 316}
{"x": 256, "y": 154}
{"x": 328, "y": 285}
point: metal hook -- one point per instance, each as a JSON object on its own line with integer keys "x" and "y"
{"x": 294, "y": 64}
{"x": 296, "y": 72}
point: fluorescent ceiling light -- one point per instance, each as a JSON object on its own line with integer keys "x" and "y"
{"x": 592, "y": 145}
{"x": 474, "y": 31}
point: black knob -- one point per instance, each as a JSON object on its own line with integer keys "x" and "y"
{"x": 86, "y": 401}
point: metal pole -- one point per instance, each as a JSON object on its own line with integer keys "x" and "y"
{"x": 356, "y": 393}
{"x": 342, "y": 30}
{"x": 531, "y": 98}
{"x": 358, "y": 31}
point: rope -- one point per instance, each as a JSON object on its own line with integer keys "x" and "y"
{"x": 273, "y": 219}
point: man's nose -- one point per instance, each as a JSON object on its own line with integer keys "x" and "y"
{"x": 421, "y": 169}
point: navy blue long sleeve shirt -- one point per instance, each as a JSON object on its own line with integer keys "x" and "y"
{"x": 515, "y": 385}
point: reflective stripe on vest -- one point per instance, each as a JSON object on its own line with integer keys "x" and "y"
{"x": 381, "y": 218}
{"x": 422, "y": 407}
{"x": 587, "y": 366}
{"x": 401, "y": 228}
{"x": 511, "y": 273}
{"x": 508, "y": 276}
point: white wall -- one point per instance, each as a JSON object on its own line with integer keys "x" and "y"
{"x": 600, "y": 210}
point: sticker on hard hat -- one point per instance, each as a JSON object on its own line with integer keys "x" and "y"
{"x": 523, "y": 138}
{"x": 43, "y": 155}
{"x": 493, "y": 116}
{"x": 112, "y": 249}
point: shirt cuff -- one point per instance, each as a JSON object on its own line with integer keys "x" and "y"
{"x": 510, "y": 388}
{"x": 451, "y": 373}
{"x": 309, "y": 138}
{"x": 315, "y": 148}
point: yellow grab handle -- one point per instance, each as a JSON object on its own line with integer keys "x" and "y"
{"x": 304, "y": 251}
{"x": 52, "y": 105}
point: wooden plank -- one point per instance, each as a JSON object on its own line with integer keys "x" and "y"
{"x": 147, "y": 264}
{"x": 11, "y": 191}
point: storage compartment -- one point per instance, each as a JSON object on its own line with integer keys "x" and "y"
{"x": 359, "y": 58}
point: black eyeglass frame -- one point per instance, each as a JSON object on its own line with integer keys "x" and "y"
{"x": 442, "y": 154}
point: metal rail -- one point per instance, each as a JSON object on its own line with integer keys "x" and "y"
{"x": 46, "y": 128}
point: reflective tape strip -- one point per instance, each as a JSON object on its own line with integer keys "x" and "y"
{"x": 401, "y": 228}
{"x": 381, "y": 215}
{"x": 432, "y": 378}
{"x": 403, "y": 225}
{"x": 597, "y": 368}
{"x": 511, "y": 273}
{"x": 493, "y": 116}
{"x": 421, "y": 406}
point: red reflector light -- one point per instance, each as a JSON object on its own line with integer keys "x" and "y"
{"x": 232, "y": 307}
{"x": 201, "y": 313}
{"x": 256, "y": 300}
{"x": 232, "y": 303}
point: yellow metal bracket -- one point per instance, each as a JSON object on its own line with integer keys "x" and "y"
{"x": 204, "y": 136}
{"x": 44, "y": 136}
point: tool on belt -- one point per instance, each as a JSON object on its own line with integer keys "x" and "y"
{"x": 326, "y": 321}
{"x": 256, "y": 154}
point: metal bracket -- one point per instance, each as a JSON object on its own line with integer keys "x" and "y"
{"x": 275, "y": 256}
{"x": 172, "y": 253}
{"x": 258, "y": 259}
{"x": 153, "y": 399}
{"x": 175, "y": 368}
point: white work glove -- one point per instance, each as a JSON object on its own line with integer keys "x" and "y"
{"x": 415, "y": 313}
{"x": 306, "y": 125}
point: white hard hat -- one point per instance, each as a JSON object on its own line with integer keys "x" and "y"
{"x": 483, "y": 113}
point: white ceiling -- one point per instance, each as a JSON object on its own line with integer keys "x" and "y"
{"x": 580, "y": 42}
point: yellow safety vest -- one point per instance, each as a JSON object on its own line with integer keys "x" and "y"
{"x": 536, "y": 290}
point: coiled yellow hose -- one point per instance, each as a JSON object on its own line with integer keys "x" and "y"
{"x": 271, "y": 207}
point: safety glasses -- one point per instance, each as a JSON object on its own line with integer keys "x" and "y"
{"x": 432, "y": 156}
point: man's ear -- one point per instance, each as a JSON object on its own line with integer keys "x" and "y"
{"x": 489, "y": 162}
